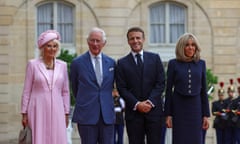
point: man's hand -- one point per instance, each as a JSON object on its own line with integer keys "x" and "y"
{"x": 205, "y": 124}
{"x": 144, "y": 107}
{"x": 169, "y": 122}
{"x": 238, "y": 112}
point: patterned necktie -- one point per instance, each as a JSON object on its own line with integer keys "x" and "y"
{"x": 98, "y": 71}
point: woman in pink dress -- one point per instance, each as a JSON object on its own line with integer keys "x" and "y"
{"x": 45, "y": 98}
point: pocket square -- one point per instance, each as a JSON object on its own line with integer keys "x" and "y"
{"x": 111, "y": 69}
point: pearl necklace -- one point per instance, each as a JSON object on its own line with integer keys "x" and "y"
{"x": 49, "y": 65}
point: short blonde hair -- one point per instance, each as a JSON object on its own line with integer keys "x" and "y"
{"x": 181, "y": 44}
{"x": 58, "y": 46}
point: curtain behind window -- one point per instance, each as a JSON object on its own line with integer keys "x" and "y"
{"x": 158, "y": 22}
{"x": 177, "y": 21}
{"x": 65, "y": 22}
{"x": 167, "y": 22}
{"x": 58, "y": 16}
{"x": 45, "y": 18}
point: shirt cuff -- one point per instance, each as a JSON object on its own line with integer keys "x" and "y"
{"x": 135, "y": 107}
{"x": 151, "y": 103}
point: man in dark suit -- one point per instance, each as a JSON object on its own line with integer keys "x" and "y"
{"x": 140, "y": 81}
{"x": 219, "y": 122}
{"x": 229, "y": 136}
{"x": 92, "y": 78}
{"x": 236, "y": 117}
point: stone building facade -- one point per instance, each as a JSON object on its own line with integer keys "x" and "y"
{"x": 216, "y": 23}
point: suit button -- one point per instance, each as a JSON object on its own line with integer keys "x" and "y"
{"x": 189, "y": 86}
{"x": 189, "y": 81}
{"x": 189, "y": 91}
{"x": 189, "y": 70}
{"x": 189, "y": 75}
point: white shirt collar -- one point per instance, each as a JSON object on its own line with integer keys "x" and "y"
{"x": 134, "y": 53}
{"x": 93, "y": 56}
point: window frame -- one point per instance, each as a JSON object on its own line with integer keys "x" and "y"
{"x": 167, "y": 23}
{"x": 69, "y": 46}
{"x": 166, "y": 50}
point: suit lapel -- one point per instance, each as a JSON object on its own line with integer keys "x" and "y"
{"x": 56, "y": 72}
{"x": 104, "y": 68}
{"x": 43, "y": 70}
{"x": 89, "y": 63}
{"x": 132, "y": 60}
{"x": 145, "y": 62}
{"x": 133, "y": 63}
{"x": 90, "y": 68}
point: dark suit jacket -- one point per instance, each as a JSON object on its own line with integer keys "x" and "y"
{"x": 133, "y": 88}
{"x": 236, "y": 106}
{"x": 178, "y": 82}
{"x": 91, "y": 99}
{"x": 229, "y": 102}
{"x": 219, "y": 121}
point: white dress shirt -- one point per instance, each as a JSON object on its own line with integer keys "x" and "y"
{"x": 134, "y": 55}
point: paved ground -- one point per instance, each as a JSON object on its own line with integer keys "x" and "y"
{"x": 210, "y": 138}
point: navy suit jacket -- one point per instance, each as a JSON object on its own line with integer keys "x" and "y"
{"x": 92, "y": 100}
{"x": 219, "y": 121}
{"x": 133, "y": 88}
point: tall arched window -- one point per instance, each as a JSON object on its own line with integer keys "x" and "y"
{"x": 167, "y": 22}
{"x": 59, "y": 16}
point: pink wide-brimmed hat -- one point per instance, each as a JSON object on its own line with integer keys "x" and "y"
{"x": 48, "y": 36}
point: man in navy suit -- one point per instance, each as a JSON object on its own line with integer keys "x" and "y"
{"x": 92, "y": 78}
{"x": 140, "y": 81}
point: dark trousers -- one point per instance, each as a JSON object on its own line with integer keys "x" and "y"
{"x": 204, "y": 132}
{"x": 237, "y": 135}
{"x": 163, "y": 135}
{"x": 118, "y": 133}
{"x": 229, "y": 137}
{"x": 220, "y": 136}
{"x": 96, "y": 134}
{"x": 140, "y": 128}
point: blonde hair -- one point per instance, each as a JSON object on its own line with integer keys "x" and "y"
{"x": 181, "y": 44}
{"x": 58, "y": 46}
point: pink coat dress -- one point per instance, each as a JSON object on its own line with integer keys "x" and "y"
{"x": 46, "y": 100}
